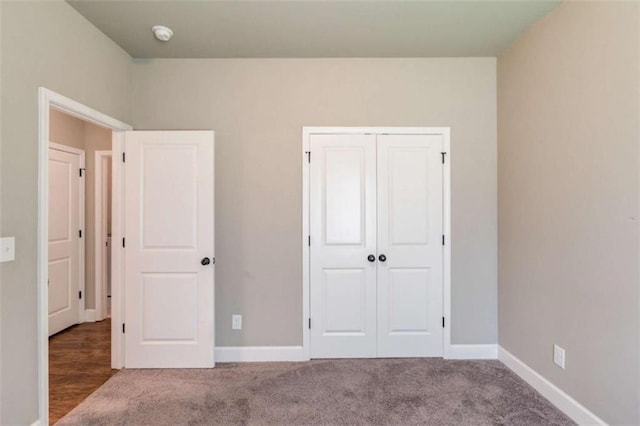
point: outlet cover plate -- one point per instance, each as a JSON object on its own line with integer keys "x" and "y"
{"x": 558, "y": 356}
{"x": 7, "y": 249}
{"x": 236, "y": 322}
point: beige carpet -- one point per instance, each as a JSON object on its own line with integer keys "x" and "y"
{"x": 328, "y": 392}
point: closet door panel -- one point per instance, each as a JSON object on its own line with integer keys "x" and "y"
{"x": 343, "y": 235}
{"x": 410, "y": 250}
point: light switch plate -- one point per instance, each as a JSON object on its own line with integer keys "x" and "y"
{"x": 236, "y": 322}
{"x": 7, "y": 249}
{"x": 558, "y": 356}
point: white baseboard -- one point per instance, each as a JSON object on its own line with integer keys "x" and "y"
{"x": 259, "y": 353}
{"x": 36, "y": 423}
{"x": 569, "y": 406}
{"x": 472, "y": 352}
{"x": 89, "y": 315}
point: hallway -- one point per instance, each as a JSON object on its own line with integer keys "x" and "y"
{"x": 79, "y": 363}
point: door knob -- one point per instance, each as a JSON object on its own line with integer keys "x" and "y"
{"x": 371, "y": 258}
{"x": 205, "y": 261}
{"x": 382, "y": 258}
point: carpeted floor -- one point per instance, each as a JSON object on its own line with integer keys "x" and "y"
{"x": 328, "y": 392}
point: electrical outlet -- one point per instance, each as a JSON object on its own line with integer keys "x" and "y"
{"x": 236, "y": 322}
{"x": 558, "y": 356}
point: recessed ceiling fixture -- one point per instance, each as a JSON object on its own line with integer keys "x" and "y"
{"x": 162, "y": 33}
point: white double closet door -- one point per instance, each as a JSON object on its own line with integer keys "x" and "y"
{"x": 376, "y": 268}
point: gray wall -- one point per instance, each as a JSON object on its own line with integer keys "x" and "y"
{"x": 43, "y": 44}
{"x": 258, "y": 108}
{"x": 568, "y": 202}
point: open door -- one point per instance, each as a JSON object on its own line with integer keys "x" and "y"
{"x": 169, "y": 249}
{"x": 64, "y": 237}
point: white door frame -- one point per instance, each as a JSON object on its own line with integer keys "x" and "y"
{"x": 49, "y": 99}
{"x": 100, "y": 232}
{"x": 81, "y": 224}
{"x": 306, "y": 300}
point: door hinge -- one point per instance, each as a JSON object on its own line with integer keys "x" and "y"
{"x": 309, "y": 323}
{"x": 122, "y": 328}
{"x": 80, "y": 233}
{"x": 81, "y": 171}
{"x": 442, "y": 239}
{"x": 80, "y": 294}
{"x": 308, "y": 156}
{"x": 309, "y": 241}
{"x": 443, "y": 155}
{"x": 442, "y": 322}
{"x": 123, "y": 157}
{"x": 123, "y": 244}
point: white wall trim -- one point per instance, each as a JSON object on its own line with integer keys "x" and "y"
{"x": 89, "y": 315}
{"x": 569, "y": 406}
{"x": 48, "y": 99}
{"x": 446, "y": 212}
{"x": 36, "y": 423}
{"x": 259, "y": 353}
{"x": 473, "y": 352}
{"x": 117, "y": 251}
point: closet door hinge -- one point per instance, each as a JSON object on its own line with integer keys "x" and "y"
{"x": 122, "y": 328}
{"x": 80, "y": 233}
{"x": 442, "y": 322}
{"x": 80, "y": 295}
{"x": 443, "y": 156}
{"x": 309, "y": 241}
{"x": 309, "y": 323}
{"x": 123, "y": 157}
{"x": 308, "y": 156}
{"x": 81, "y": 171}
{"x": 443, "y": 240}
{"x": 123, "y": 244}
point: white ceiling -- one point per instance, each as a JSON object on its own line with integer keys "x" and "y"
{"x": 319, "y": 29}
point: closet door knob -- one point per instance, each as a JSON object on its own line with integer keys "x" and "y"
{"x": 382, "y": 258}
{"x": 205, "y": 261}
{"x": 371, "y": 258}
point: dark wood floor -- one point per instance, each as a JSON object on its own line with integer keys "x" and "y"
{"x": 79, "y": 363}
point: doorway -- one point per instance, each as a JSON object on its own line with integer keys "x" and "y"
{"x": 376, "y": 255}
{"x": 79, "y": 305}
{"x": 78, "y": 318}
{"x": 170, "y": 252}
{"x": 102, "y": 230}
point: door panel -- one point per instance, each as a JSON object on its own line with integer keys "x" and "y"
{"x": 64, "y": 245}
{"x": 410, "y": 223}
{"x": 408, "y": 297}
{"x": 345, "y": 301}
{"x": 169, "y": 220}
{"x": 343, "y": 202}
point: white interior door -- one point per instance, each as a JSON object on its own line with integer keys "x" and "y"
{"x": 64, "y": 240}
{"x": 410, "y": 246}
{"x": 343, "y": 235}
{"x": 169, "y": 231}
{"x": 376, "y": 249}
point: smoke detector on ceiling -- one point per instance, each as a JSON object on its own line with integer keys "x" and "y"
{"x": 162, "y": 33}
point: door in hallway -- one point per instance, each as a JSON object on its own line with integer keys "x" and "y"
{"x": 64, "y": 238}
